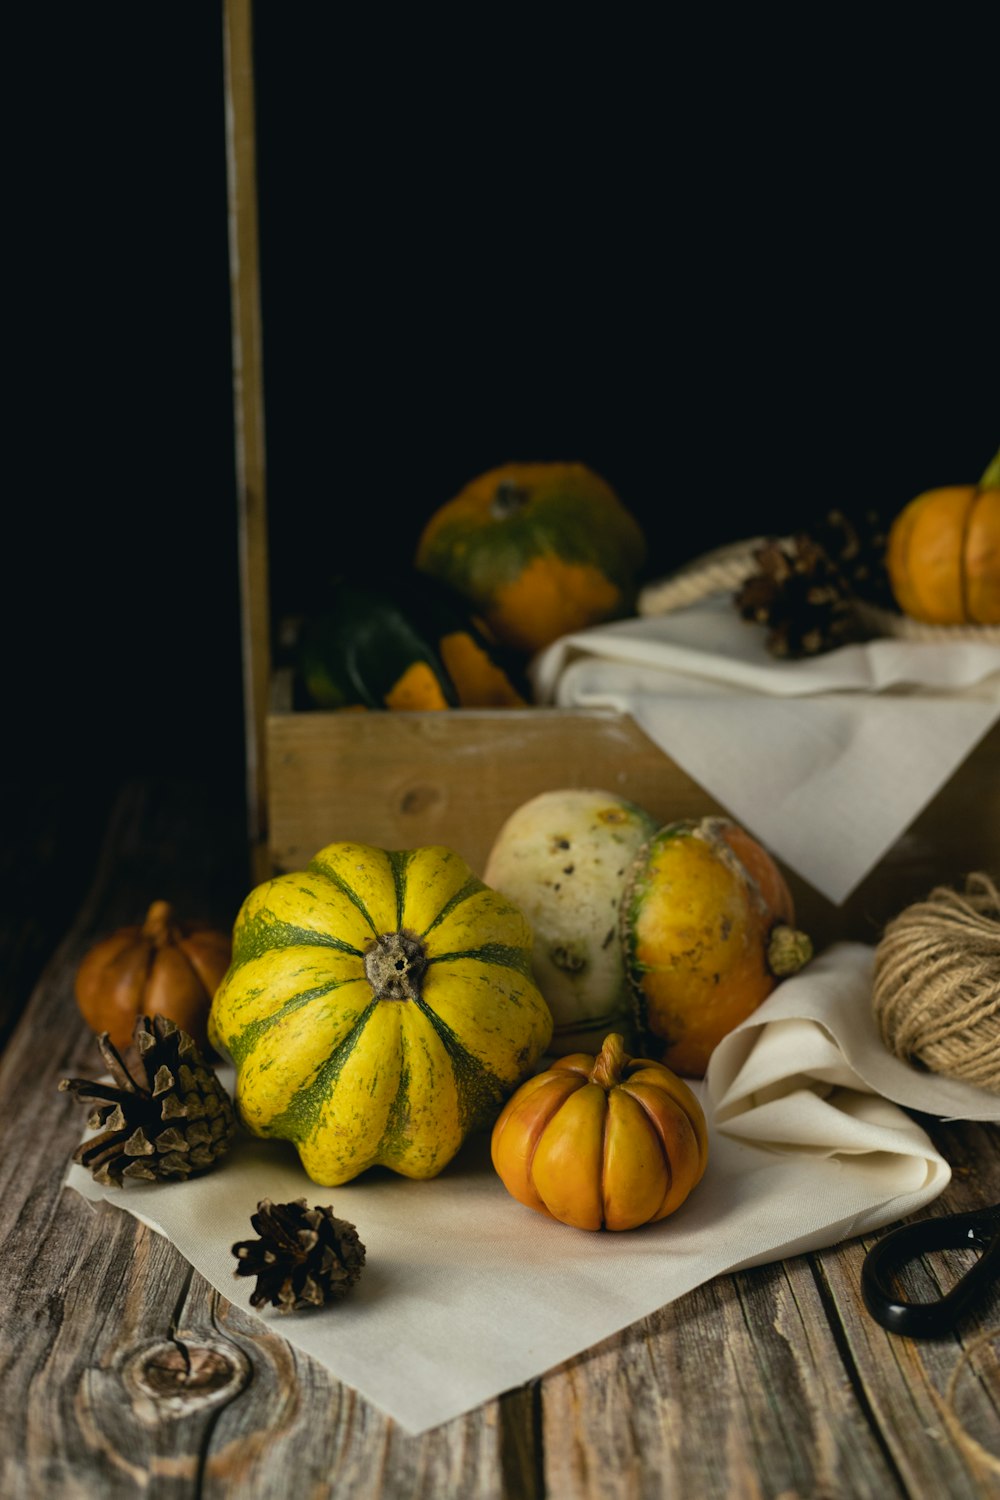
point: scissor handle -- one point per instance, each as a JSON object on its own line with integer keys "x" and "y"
{"x": 922, "y": 1320}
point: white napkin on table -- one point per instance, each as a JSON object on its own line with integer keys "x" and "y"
{"x": 827, "y": 760}
{"x": 466, "y": 1293}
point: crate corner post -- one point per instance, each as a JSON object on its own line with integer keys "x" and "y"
{"x": 248, "y": 412}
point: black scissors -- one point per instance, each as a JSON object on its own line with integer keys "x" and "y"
{"x": 979, "y": 1229}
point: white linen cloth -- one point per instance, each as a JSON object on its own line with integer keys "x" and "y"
{"x": 779, "y": 1079}
{"x": 466, "y": 1293}
{"x": 827, "y": 761}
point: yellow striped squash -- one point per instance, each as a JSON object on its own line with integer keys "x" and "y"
{"x": 379, "y": 1007}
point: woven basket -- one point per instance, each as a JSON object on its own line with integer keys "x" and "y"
{"x": 727, "y": 568}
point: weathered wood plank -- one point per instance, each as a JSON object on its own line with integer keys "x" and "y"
{"x": 802, "y": 1392}
{"x": 81, "y": 1289}
{"x": 736, "y": 1390}
{"x": 905, "y": 1381}
{"x": 171, "y": 1383}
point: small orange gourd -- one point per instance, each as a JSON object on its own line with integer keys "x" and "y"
{"x": 609, "y": 1142}
{"x": 160, "y": 967}
{"x": 944, "y": 554}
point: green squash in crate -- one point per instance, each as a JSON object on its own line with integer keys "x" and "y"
{"x": 408, "y": 644}
{"x": 380, "y": 1006}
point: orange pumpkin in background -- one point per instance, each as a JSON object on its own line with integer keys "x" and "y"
{"x": 160, "y": 967}
{"x": 707, "y": 931}
{"x": 538, "y": 549}
{"x": 944, "y": 554}
{"x": 609, "y": 1142}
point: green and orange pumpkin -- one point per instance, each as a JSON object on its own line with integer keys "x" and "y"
{"x": 379, "y": 1007}
{"x": 539, "y": 550}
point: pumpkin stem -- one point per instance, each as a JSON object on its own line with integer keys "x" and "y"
{"x": 394, "y": 966}
{"x": 787, "y": 951}
{"x": 510, "y": 497}
{"x": 156, "y": 928}
{"x": 612, "y": 1062}
{"x": 991, "y": 477}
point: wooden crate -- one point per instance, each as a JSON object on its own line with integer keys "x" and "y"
{"x": 401, "y": 780}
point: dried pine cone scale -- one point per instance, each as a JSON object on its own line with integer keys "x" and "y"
{"x": 857, "y": 547}
{"x": 304, "y": 1257}
{"x": 806, "y": 587}
{"x": 801, "y": 596}
{"x": 179, "y": 1124}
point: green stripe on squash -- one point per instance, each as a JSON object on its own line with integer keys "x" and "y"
{"x": 262, "y": 933}
{"x": 242, "y": 1045}
{"x": 500, "y": 954}
{"x": 302, "y": 1114}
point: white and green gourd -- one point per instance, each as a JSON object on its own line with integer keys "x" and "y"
{"x": 562, "y": 858}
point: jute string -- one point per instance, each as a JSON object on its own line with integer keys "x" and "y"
{"x": 937, "y": 983}
{"x": 937, "y": 1001}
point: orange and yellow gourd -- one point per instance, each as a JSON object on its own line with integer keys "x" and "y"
{"x": 707, "y": 931}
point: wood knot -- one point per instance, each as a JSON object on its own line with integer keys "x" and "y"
{"x": 173, "y": 1378}
{"x": 419, "y": 799}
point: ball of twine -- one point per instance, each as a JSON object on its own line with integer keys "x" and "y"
{"x": 937, "y": 983}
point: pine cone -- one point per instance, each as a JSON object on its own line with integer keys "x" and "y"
{"x": 180, "y": 1124}
{"x": 801, "y": 596}
{"x": 856, "y": 546}
{"x": 305, "y": 1256}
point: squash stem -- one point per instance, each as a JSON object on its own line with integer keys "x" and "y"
{"x": 510, "y": 497}
{"x": 394, "y": 966}
{"x": 156, "y": 928}
{"x": 610, "y": 1065}
{"x": 788, "y": 951}
{"x": 991, "y": 477}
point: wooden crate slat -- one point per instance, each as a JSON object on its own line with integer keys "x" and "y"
{"x": 399, "y": 780}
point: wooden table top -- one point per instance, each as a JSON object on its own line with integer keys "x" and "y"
{"x": 124, "y": 1373}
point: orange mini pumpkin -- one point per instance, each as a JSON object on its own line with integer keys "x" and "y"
{"x": 944, "y": 554}
{"x": 539, "y": 550}
{"x": 707, "y": 930}
{"x": 610, "y": 1142}
{"x": 161, "y": 967}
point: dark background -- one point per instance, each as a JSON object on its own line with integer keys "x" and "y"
{"x": 744, "y": 272}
